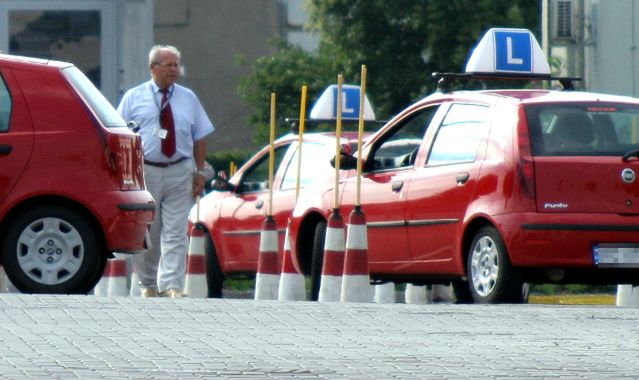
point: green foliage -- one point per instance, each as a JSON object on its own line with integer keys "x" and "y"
{"x": 401, "y": 42}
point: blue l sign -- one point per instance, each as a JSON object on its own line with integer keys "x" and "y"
{"x": 350, "y": 102}
{"x": 513, "y": 51}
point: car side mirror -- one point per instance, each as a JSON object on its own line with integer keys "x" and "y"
{"x": 221, "y": 183}
{"x": 346, "y": 161}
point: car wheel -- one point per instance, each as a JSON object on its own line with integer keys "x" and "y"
{"x": 53, "y": 249}
{"x": 492, "y": 278}
{"x": 214, "y": 275}
{"x": 317, "y": 257}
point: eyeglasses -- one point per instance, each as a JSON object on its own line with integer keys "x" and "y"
{"x": 171, "y": 65}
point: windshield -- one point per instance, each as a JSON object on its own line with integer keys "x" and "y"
{"x": 583, "y": 129}
{"x": 100, "y": 106}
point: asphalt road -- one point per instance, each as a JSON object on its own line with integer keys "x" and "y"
{"x": 91, "y": 337}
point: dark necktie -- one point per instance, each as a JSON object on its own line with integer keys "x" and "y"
{"x": 166, "y": 121}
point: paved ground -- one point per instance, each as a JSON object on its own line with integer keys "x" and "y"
{"x": 92, "y": 337}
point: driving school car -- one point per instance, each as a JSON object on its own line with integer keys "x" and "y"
{"x": 233, "y": 215}
{"x": 492, "y": 189}
{"x": 71, "y": 185}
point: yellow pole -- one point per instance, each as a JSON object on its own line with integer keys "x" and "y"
{"x": 360, "y": 134}
{"x": 338, "y": 137}
{"x": 271, "y": 157}
{"x": 299, "y": 141}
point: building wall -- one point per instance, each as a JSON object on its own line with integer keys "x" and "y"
{"x": 211, "y": 35}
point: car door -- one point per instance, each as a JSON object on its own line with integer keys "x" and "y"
{"x": 438, "y": 193}
{"x": 243, "y": 213}
{"x": 16, "y": 133}
{"x": 389, "y": 166}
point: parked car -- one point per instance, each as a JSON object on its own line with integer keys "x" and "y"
{"x": 233, "y": 217}
{"x": 491, "y": 189}
{"x": 71, "y": 185}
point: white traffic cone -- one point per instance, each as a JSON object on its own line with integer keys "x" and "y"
{"x": 135, "y": 289}
{"x": 101, "y": 289}
{"x": 5, "y": 284}
{"x": 195, "y": 282}
{"x": 415, "y": 294}
{"x": 333, "y": 264}
{"x": 292, "y": 285}
{"x": 356, "y": 282}
{"x": 268, "y": 276}
{"x": 441, "y": 293}
{"x": 627, "y": 295}
{"x": 117, "y": 283}
{"x": 385, "y": 293}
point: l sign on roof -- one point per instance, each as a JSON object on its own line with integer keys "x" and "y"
{"x": 513, "y": 51}
{"x": 326, "y": 106}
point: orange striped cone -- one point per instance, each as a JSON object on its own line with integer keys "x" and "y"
{"x": 267, "y": 279}
{"x": 333, "y": 265}
{"x": 195, "y": 282}
{"x": 117, "y": 285}
{"x": 627, "y": 295}
{"x": 292, "y": 285}
{"x": 356, "y": 281}
{"x": 101, "y": 289}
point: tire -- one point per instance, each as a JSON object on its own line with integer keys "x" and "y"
{"x": 53, "y": 249}
{"x": 317, "y": 259}
{"x": 491, "y": 276}
{"x": 461, "y": 290}
{"x": 214, "y": 275}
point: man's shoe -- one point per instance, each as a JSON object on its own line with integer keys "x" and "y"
{"x": 173, "y": 293}
{"x": 149, "y": 292}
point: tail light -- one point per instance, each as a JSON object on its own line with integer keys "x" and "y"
{"x": 124, "y": 159}
{"x": 525, "y": 164}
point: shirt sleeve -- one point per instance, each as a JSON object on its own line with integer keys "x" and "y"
{"x": 202, "y": 125}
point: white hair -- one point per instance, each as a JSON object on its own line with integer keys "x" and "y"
{"x": 155, "y": 51}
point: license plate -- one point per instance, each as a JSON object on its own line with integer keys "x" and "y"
{"x": 616, "y": 255}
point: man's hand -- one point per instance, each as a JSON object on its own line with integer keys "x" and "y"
{"x": 198, "y": 185}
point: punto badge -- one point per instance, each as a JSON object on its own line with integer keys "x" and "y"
{"x": 628, "y": 175}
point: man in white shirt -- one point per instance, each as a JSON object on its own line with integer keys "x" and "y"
{"x": 173, "y": 126}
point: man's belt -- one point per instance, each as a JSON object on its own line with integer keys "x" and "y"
{"x": 163, "y": 164}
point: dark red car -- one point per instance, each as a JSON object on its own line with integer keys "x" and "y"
{"x": 492, "y": 189}
{"x": 71, "y": 185}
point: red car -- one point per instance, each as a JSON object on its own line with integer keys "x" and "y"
{"x": 492, "y": 189}
{"x": 233, "y": 218}
{"x": 71, "y": 186}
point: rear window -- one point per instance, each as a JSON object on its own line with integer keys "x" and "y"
{"x": 101, "y": 107}
{"x": 583, "y": 129}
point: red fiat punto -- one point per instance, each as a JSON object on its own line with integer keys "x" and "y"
{"x": 492, "y": 189}
{"x": 233, "y": 217}
{"x": 71, "y": 185}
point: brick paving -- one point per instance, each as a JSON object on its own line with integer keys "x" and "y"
{"x": 88, "y": 337}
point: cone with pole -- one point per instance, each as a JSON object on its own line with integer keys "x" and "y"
{"x": 101, "y": 289}
{"x": 195, "y": 281}
{"x": 333, "y": 264}
{"x": 292, "y": 285}
{"x": 267, "y": 278}
{"x": 355, "y": 278}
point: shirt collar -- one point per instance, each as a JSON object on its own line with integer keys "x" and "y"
{"x": 156, "y": 88}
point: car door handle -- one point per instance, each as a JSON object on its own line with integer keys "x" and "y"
{"x": 5, "y": 149}
{"x": 259, "y": 204}
{"x": 462, "y": 178}
{"x": 397, "y": 186}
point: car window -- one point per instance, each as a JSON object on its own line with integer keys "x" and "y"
{"x": 104, "y": 111}
{"x": 5, "y": 106}
{"x": 315, "y": 159}
{"x": 398, "y": 148}
{"x": 460, "y": 134}
{"x": 584, "y": 129}
{"x": 256, "y": 177}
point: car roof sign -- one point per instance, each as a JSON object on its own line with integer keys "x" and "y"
{"x": 325, "y": 108}
{"x": 508, "y": 51}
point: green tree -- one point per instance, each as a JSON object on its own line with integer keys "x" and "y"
{"x": 401, "y": 42}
